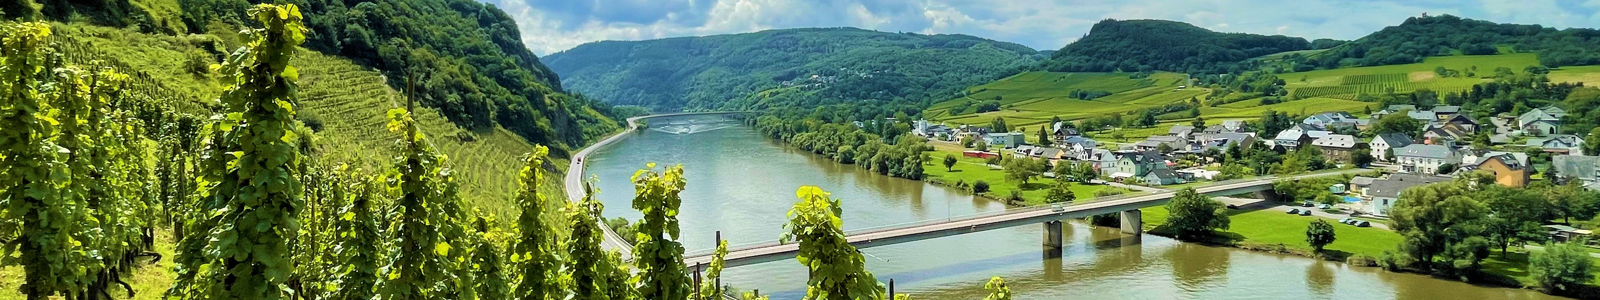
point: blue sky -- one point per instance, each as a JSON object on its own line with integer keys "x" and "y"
{"x": 550, "y": 26}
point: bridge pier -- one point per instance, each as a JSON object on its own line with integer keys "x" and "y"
{"x": 1052, "y": 234}
{"x": 1131, "y": 222}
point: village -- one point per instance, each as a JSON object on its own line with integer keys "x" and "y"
{"x": 1447, "y": 144}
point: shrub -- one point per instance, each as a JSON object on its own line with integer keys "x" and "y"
{"x": 1107, "y": 192}
{"x": 980, "y": 187}
{"x": 1362, "y": 261}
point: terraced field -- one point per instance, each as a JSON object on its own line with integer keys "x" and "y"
{"x": 1348, "y": 83}
{"x": 352, "y": 103}
{"x": 1033, "y": 98}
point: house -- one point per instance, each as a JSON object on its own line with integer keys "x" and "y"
{"x": 1422, "y": 116}
{"x": 1221, "y": 141}
{"x": 1451, "y": 131}
{"x": 1383, "y": 142}
{"x": 1102, "y": 159}
{"x": 1539, "y": 122}
{"x": 1329, "y": 120}
{"x": 1445, "y": 112}
{"x": 1564, "y": 233}
{"x": 1182, "y": 131}
{"x": 1507, "y": 170}
{"x": 1077, "y": 146}
{"x": 1061, "y": 131}
{"x": 1029, "y": 151}
{"x": 1337, "y": 147}
{"x": 1135, "y": 164}
{"x": 1583, "y": 168}
{"x": 1154, "y": 143}
{"x": 1298, "y": 134}
{"x": 1392, "y": 109}
{"x": 1359, "y": 184}
{"x": 1557, "y": 143}
{"x": 1464, "y": 122}
{"x": 1005, "y": 139}
{"x": 1383, "y": 193}
{"x": 1162, "y": 177}
{"x": 1422, "y": 158}
{"x": 1234, "y": 126}
{"x": 1475, "y": 157}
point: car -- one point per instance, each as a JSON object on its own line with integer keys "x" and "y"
{"x": 1325, "y": 206}
{"x": 1345, "y": 220}
{"x": 1307, "y": 204}
{"x": 1057, "y": 208}
{"x": 1232, "y": 206}
{"x": 1355, "y": 214}
{"x": 1305, "y": 212}
{"x": 1292, "y": 211}
{"x": 1364, "y": 224}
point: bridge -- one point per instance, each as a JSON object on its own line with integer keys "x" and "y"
{"x": 574, "y": 179}
{"x": 1050, "y": 217}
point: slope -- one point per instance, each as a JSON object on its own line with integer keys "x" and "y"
{"x": 1425, "y": 36}
{"x": 837, "y": 64}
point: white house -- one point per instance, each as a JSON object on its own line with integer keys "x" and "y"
{"x": 1420, "y": 158}
{"x": 1383, "y": 193}
{"x": 1383, "y": 142}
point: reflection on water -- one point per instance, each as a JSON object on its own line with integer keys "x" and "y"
{"x": 742, "y": 184}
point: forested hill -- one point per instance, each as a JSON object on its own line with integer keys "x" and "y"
{"x": 1420, "y": 37}
{"x": 1150, "y": 45}
{"x": 465, "y": 58}
{"x": 827, "y": 65}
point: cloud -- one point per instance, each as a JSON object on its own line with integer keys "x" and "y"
{"x": 550, "y": 26}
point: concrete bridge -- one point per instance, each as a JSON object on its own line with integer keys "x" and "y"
{"x": 574, "y": 178}
{"x": 1051, "y": 218}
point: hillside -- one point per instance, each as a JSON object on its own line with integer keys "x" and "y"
{"x": 465, "y": 58}
{"x": 1420, "y": 37}
{"x": 1157, "y": 45}
{"x": 833, "y": 64}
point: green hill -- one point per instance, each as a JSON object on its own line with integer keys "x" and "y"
{"x": 1461, "y": 72}
{"x": 1421, "y": 37}
{"x": 1158, "y": 45}
{"x": 828, "y": 65}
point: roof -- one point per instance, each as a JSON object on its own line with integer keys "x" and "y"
{"x": 1233, "y": 124}
{"x": 1421, "y": 115}
{"x": 1556, "y": 141}
{"x": 1446, "y": 109}
{"x": 1392, "y": 186}
{"x": 1579, "y": 166}
{"x": 1422, "y": 150}
{"x": 1177, "y": 129}
{"x": 1510, "y": 161}
{"x": 1317, "y": 134}
{"x": 1336, "y": 141}
{"x": 1289, "y": 135}
{"x": 1162, "y": 173}
{"x": 1400, "y": 107}
{"x": 1536, "y": 115}
{"x": 1003, "y": 134}
{"x": 1078, "y": 140}
{"x": 1362, "y": 180}
{"x": 1395, "y": 140}
{"x": 1143, "y": 156}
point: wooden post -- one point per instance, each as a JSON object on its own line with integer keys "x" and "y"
{"x": 697, "y": 278}
{"x": 891, "y": 288}
{"x": 717, "y": 288}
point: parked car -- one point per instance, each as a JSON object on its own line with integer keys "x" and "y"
{"x": 1305, "y": 212}
{"x": 1307, "y": 204}
{"x": 1364, "y": 224}
{"x": 1232, "y": 206}
{"x": 1355, "y": 214}
{"x": 1325, "y": 206}
{"x": 1292, "y": 211}
{"x": 1345, "y": 220}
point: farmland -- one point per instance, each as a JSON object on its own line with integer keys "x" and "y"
{"x": 1349, "y": 83}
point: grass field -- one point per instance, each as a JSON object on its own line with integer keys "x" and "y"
{"x": 1588, "y": 75}
{"x": 971, "y": 170}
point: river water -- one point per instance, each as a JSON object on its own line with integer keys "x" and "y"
{"x": 742, "y": 184}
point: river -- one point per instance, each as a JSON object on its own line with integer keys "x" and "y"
{"x": 742, "y": 184}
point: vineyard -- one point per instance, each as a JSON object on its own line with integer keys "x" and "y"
{"x": 1351, "y": 92}
{"x": 310, "y": 179}
{"x": 1373, "y": 79}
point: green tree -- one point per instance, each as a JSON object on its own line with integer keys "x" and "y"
{"x": 261, "y": 194}
{"x": 1397, "y": 122}
{"x": 1065, "y": 171}
{"x": 1446, "y": 168}
{"x": 949, "y": 162}
{"x": 1199, "y": 122}
{"x": 1592, "y": 148}
{"x": 1022, "y": 169}
{"x": 1194, "y": 214}
{"x": 1044, "y": 136}
{"x": 1060, "y": 193}
{"x": 836, "y": 270}
{"x": 535, "y": 250}
{"x": 998, "y": 125}
{"x": 1319, "y": 233}
{"x": 658, "y": 255}
{"x": 981, "y": 146}
{"x": 997, "y": 289}
{"x": 1561, "y": 267}
{"x": 1432, "y": 218}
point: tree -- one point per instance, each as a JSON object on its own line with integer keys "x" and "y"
{"x": 997, "y": 289}
{"x": 835, "y": 268}
{"x": 1432, "y": 218}
{"x": 1592, "y": 148}
{"x": 536, "y": 246}
{"x": 1060, "y": 193}
{"x": 260, "y": 194}
{"x": 1199, "y": 122}
{"x": 1319, "y": 233}
{"x": 981, "y": 146}
{"x": 1232, "y": 171}
{"x": 1164, "y": 148}
{"x": 1194, "y": 214}
{"x": 980, "y": 186}
{"x": 949, "y": 162}
{"x": 998, "y": 125}
{"x": 1561, "y": 267}
{"x": 1044, "y": 136}
{"x": 1446, "y": 168}
{"x": 1516, "y": 215}
{"x": 1021, "y": 169}
{"x": 1398, "y": 122}
{"x": 659, "y": 257}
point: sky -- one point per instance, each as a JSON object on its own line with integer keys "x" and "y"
{"x": 550, "y": 26}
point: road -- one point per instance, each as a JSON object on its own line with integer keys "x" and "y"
{"x": 874, "y": 237}
{"x": 574, "y": 181}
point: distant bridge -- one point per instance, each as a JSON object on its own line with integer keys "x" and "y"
{"x": 1128, "y": 206}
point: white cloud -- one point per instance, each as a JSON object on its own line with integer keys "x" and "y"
{"x": 1042, "y": 24}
